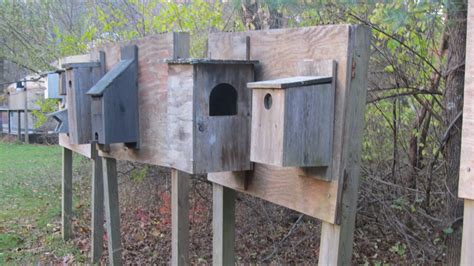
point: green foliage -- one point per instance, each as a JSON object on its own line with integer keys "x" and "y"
{"x": 46, "y": 106}
{"x": 139, "y": 174}
{"x": 399, "y": 249}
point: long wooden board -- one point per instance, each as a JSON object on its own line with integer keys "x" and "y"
{"x": 285, "y": 53}
{"x": 466, "y": 171}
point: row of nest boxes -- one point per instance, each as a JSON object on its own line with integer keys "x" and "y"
{"x": 284, "y": 122}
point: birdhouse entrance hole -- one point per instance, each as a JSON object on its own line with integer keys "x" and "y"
{"x": 223, "y": 100}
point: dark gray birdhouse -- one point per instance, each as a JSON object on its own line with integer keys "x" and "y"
{"x": 209, "y": 114}
{"x": 115, "y": 102}
{"x": 79, "y": 78}
{"x": 292, "y": 121}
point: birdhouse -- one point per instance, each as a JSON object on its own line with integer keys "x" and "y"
{"x": 52, "y": 91}
{"x": 79, "y": 78}
{"x": 115, "y": 102}
{"x": 209, "y": 114}
{"x": 292, "y": 121}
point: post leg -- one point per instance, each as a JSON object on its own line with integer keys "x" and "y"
{"x": 337, "y": 240}
{"x": 66, "y": 194}
{"x": 19, "y": 126}
{"x": 97, "y": 208}
{"x": 179, "y": 218}
{"x": 9, "y": 123}
{"x": 27, "y": 129}
{"x": 467, "y": 248}
{"x": 223, "y": 225}
{"x": 112, "y": 211}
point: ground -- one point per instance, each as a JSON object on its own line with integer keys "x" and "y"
{"x": 30, "y": 200}
{"x": 30, "y": 212}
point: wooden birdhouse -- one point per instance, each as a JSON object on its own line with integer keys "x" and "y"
{"x": 52, "y": 92}
{"x": 79, "y": 78}
{"x": 115, "y": 102}
{"x": 209, "y": 114}
{"x": 292, "y": 121}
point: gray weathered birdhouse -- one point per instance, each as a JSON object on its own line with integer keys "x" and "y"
{"x": 79, "y": 78}
{"x": 115, "y": 102}
{"x": 292, "y": 121}
{"x": 209, "y": 114}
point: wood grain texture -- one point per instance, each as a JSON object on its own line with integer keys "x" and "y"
{"x": 466, "y": 171}
{"x": 223, "y": 225}
{"x": 112, "y": 210}
{"x": 152, "y": 99}
{"x": 82, "y": 149}
{"x": 308, "y": 126}
{"x": 267, "y": 140}
{"x": 80, "y": 78}
{"x": 179, "y": 218}
{"x": 173, "y": 101}
{"x": 467, "y": 248}
{"x": 221, "y": 143}
{"x": 290, "y": 187}
{"x": 337, "y": 240}
{"x": 297, "y": 50}
{"x": 290, "y": 82}
{"x": 97, "y": 223}
{"x": 66, "y": 202}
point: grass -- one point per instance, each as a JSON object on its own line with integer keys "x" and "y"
{"x": 30, "y": 205}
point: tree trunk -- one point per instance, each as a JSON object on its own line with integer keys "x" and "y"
{"x": 453, "y": 102}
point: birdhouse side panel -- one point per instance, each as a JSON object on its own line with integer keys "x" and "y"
{"x": 308, "y": 126}
{"x": 121, "y": 111}
{"x": 180, "y": 117}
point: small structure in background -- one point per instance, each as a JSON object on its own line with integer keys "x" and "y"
{"x": 16, "y": 118}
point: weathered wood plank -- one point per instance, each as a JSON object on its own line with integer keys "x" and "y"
{"x": 18, "y": 125}
{"x": 25, "y": 112}
{"x": 337, "y": 240}
{"x": 66, "y": 202}
{"x": 179, "y": 218}
{"x": 466, "y": 170}
{"x": 82, "y": 149}
{"x": 112, "y": 210}
{"x": 290, "y": 187}
{"x": 299, "y": 50}
{"x": 290, "y": 82}
{"x": 223, "y": 225}
{"x": 80, "y": 78}
{"x": 152, "y": 98}
{"x": 97, "y": 222}
{"x": 467, "y": 248}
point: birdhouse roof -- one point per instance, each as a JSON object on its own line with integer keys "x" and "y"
{"x": 290, "y": 82}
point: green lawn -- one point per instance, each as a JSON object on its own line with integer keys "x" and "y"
{"x": 30, "y": 205}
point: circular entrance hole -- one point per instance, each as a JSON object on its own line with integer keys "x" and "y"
{"x": 267, "y": 101}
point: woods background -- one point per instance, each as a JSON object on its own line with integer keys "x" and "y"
{"x": 408, "y": 209}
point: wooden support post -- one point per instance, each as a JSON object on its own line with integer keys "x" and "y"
{"x": 112, "y": 210}
{"x": 97, "y": 206}
{"x": 27, "y": 128}
{"x": 19, "y": 125}
{"x": 336, "y": 240}
{"x": 67, "y": 194}
{"x": 467, "y": 248}
{"x": 179, "y": 218}
{"x": 223, "y": 225}
{"x": 9, "y": 122}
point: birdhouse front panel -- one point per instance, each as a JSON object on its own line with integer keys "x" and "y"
{"x": 292, "y": 121}
{"x": 80, "y": 77}
{"x": 222, "y": 117}
{"x": 209, "y": 115}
